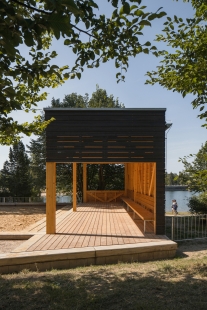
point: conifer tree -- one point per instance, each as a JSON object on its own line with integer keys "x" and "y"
{"x": 37, "y": 151}
{"x": 15, "y": 176}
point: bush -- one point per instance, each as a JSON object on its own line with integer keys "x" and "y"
{"x": 198, "y": 204}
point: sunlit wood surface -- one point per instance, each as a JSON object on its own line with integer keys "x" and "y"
{"x": 92, "y": 225}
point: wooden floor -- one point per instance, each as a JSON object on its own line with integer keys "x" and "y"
{"x": 96, "y": 234}
{"x": 92, "y": 225}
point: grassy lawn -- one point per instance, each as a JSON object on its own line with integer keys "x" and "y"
{"x": 179, "y": 283}
{"x": 179, "y": 213}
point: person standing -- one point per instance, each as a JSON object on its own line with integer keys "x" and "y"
{"x": 174, "y": 207}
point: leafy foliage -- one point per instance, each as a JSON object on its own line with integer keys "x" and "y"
{"x": 198, "y": 204}
{"x": 71, "y": 101}
{"x": 184, "y": 69}
{"x": 100, "y": 99}
{"x": 28, "y": 27}
{"x": 15, "y": 178}
{"x": 105, "y": 177}
{"x": 195, "y": 170}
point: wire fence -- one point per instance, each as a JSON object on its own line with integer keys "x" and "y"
{"x": 59, "y": 199}
{"x": 186, "y": 227}
{"x": 21, "y": 199}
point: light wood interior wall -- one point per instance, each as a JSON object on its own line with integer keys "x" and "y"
{"x": 104, "y": 196}
{"x": 140, "y": 184}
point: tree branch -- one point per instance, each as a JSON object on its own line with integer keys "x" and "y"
{"x": 31, "y": 7}
{"x": 45, "y": 12}
{"x": 83, "y": 31}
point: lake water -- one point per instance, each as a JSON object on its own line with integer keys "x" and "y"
{"x": 181, "y": 197}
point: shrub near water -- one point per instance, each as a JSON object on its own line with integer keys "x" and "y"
{"x": 198, "y": 204}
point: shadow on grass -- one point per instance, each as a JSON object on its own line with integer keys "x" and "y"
{"x": 191, "y": 246}
{"x": 124, "y": 286}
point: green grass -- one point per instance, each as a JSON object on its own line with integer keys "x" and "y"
{"x": 179, "y": 283}
{"x": 180, "y": 213}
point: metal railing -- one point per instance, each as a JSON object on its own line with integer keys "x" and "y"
{"x": 186, "y": 227}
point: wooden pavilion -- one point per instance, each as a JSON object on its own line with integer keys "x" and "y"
{"x": 133, "y": 137}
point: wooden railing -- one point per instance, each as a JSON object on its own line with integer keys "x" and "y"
{"x": 104, "y": 196}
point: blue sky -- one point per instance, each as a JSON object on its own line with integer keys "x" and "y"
{"x": 186, "y": 135}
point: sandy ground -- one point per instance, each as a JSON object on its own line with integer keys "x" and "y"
{"x": 16, "y": 219}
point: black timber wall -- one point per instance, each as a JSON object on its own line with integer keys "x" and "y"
{"x": 110, "y": 135}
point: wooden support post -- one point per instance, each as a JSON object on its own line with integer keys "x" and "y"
{"x": 74, "y": 186}
{"x": 140, "y": 179}
{"x": 84, "y": 182}
{"x": 155, "y": 200}
{"x": 135, "y": 180}
{"x": 145, "y": 177}
{"x": 50, "y": 198}
{"x": 126, "y": 179}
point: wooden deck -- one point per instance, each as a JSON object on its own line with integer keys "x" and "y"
{"x": 93, "y": 228}
{"x": 92, "y": 225}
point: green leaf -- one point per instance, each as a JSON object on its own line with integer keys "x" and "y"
{"x": 82, "y": 62}
{"x": 70, "y": 4}
{"x": 125, "y": 9}
{"x": 78, "y": 75}
{"x": 138, "y": 13}
{"x": 28, "y": 38}
{"x": 133, "y": 7}
{"x": 152, "y": 16}
{"x": 161, "y": 14}
{"x": 67, "y": 42}
{"x": 144, "y": 23}
{"x": 146, "y": 50}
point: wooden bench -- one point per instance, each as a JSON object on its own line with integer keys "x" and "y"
{"x": 144, "y": 214}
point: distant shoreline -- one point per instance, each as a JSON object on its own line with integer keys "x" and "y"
{"x": 175, "y": 187}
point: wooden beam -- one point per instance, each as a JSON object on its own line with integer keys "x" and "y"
{"x": 84, "y": 182}
{"x": 145, "y": 177}
{"x": 139, "y": 178}
{"x": 50, "y": 198}
{"x": 74, "y": 186}
{"x": 135, "y": 180}
{"x": 126, "y": 179}
{"x": 152, "y": 181}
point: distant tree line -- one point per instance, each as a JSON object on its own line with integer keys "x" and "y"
{"x": 172, "y": 179}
